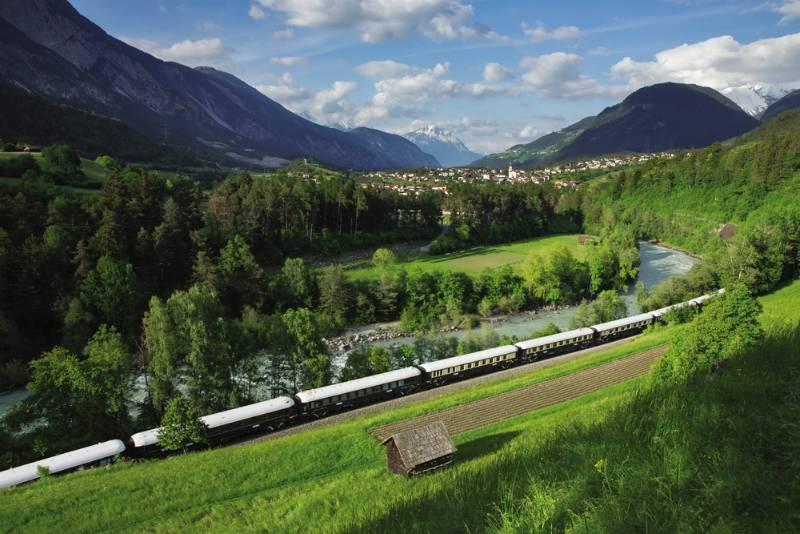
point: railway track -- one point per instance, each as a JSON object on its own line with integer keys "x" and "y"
{"x": 433, "y": 393}
{"x": 466, "y": 417}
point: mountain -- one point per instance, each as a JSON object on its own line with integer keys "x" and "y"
{"x": 755, "y": 99}
{"x": 661, "y": 117}
{"x": 790, "y": 101}
{"x": 51, "y": 50}
{"x": 402, "y": 152}
{"x": 444, "y": 145}
{"x": 539, "y": 151}
{"x": 31, "y": 119}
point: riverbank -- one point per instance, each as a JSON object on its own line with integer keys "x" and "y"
{"x": 675, "y": 248}
{"x": 658, "y": 263}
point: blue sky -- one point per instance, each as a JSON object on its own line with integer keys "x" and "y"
{"x": 496, "y": 72}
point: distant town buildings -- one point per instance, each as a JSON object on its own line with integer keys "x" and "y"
{"x": 416, "y": 182}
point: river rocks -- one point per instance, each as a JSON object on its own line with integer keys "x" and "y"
{"x": 348, "y": 342}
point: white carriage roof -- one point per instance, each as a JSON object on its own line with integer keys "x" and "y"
{"x": 62, "y": 462}
{"x": 602, "y": 327}
{"x": 313, "y": 395}
{"x": 146, "y": 437}
{"x": 700, "y": 300}
{"x": 214, "y": 420}
{"x": 247, "y": 412}
{"x": 555, "y": 338}
{"x": 468, "y": 358}
{"x": 663, "y": 311}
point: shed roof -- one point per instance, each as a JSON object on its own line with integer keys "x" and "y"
{"x": 421, "y": 445}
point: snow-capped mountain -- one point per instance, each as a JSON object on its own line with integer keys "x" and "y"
{"x": 755, "y": 99}
{"x": 443, "y": 145}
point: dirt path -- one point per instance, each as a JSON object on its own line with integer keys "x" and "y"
{"x": 512, "y": 403}
{"x": 436, "y": 392}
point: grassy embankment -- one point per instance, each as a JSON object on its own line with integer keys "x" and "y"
{"x": 475, "y": 260}
{"x": 713, "y": 455}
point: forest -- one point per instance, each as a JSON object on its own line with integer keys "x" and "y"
{"x": 213, "y": 293}
{"x": 217, "y": 294}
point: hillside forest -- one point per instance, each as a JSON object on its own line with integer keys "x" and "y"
{"x": 215, "y": 293}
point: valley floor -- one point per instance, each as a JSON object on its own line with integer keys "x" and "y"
{"x": 711, "y": 456}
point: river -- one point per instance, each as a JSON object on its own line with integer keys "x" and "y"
{"x": 657, "y": 264}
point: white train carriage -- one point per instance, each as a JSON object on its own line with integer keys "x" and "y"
{"x": 94, "y": 455}
{"x": 359, "y": 391}
{"x": 534, "y": 349}
{"x": 470, "y": 363}
{"x": 623, "y": 327}
{"x": 699, "y": 301}
{"x": 269, "y": 415}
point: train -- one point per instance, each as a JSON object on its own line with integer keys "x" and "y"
{"x": 304, "y": 406}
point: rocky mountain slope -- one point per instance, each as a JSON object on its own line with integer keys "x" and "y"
{"x": 790, "y": 101}
{"x": 660, "y": 117}
{"x": 51, "y": 50}
{"x": 539, "y": 151}
{"x": 444, "y": 145}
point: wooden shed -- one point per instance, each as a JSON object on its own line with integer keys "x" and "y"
{"x": 419, "y": 450}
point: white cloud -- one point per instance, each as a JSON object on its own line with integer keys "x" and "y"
{"x": 558, "y": 75}
{"x": 540, "y": 33}
{"x": 598, "y": 51}
{"x": 790, "y": 9}
{"x": 285, "y": 92}
{"x": 720, "y": 63}
{"x": 256, "y": 13}
{"x": 331, "y": 106}
{"x": 384, "y": 69}
{"x": 528, "y": 132}
{"x": 283, "y": 35}
{"x": 409, "y": 95}
{"x": 495, "y": 72}
{"x": 289, "y": 61}
{"x": 163, "y": 8}
{"x": 380, "y": 20}
{"x": 192, "y": 53}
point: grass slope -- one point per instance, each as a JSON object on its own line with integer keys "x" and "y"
{"x": 475, "y": 260}
{"x": 701, "y": 457}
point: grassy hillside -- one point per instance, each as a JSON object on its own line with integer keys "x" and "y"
{"x": 712, "y": 455}
{"x": 684, "y": 201}
{"x": 475, "y": 260}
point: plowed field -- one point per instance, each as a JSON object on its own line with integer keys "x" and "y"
{"x": 492, "y": 409}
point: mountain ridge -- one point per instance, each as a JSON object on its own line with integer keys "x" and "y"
{"x": 659, "y": 117}
{"x": 443, "y": 144}
{"x": 788, "y": 102}
{"x": 72, "y": 60}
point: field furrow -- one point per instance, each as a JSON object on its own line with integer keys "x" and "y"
{"x": 482, "y": 412}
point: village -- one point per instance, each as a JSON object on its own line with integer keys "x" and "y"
{"x": 415, "y": 182}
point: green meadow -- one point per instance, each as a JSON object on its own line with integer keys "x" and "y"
{"x": 628, "y": 457}
{"x": 475, "y": 260}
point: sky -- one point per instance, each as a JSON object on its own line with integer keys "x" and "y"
{"x": 495, "y": 72}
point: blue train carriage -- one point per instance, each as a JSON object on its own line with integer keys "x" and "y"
{"x": 345, "y": 395}
{"x": 622, "y": 327}
{"x": 484, "y": 361}
{"x": 544, "y": 347}
{"x": 92, "y": 456}
{"x": 268, "y": 415}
